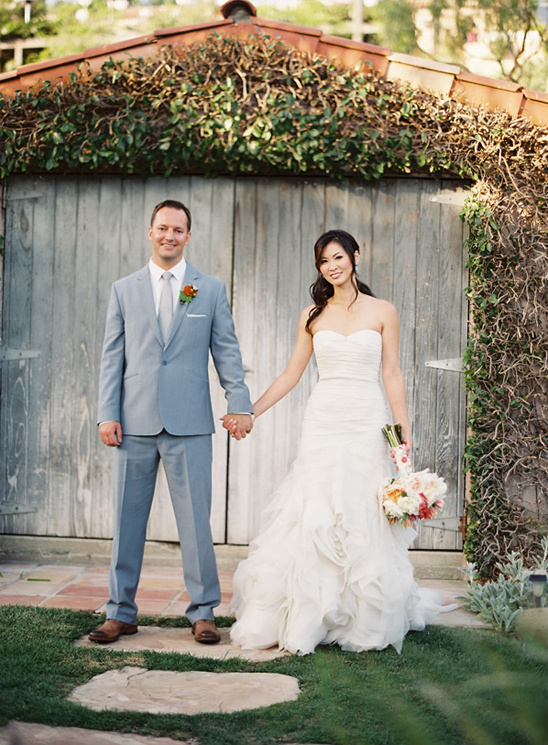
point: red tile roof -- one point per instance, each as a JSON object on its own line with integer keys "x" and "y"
{"x": 240, "y": 19}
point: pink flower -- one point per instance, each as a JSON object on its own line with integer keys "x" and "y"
{"x": 424, "y": 509}
{"x": 413, "y": 495}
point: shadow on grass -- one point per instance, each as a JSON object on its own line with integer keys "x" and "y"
{"x": 448, "y": 687}
{"x": 491, "y": 690}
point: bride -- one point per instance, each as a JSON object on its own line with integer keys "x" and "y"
{"x": 327, "y": 566}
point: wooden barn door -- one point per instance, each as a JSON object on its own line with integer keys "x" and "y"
{"x": 411, "y": 240}
{"x": 67, "y": 239}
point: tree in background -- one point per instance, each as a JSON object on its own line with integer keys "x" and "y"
{"x": 398, "y": 29}
{"x": 14, "y": 25}
{"x": 499, "y": 38}
{"x": 518, "y": 36}
{"x": 20, "y": 24}
{"x": 333, "y": 18}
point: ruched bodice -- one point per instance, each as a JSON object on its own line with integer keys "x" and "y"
{"x": 347, "y": 400}
{"x": 353, "y": 357}
{"x": 327, "y": 566}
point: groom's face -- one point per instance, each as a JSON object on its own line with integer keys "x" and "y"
{"x": 169, "y": 235}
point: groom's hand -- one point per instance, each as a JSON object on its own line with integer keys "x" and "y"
{"x": 238, "y": 425}
{"x": 111, "y": 433}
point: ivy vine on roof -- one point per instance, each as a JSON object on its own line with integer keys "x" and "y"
{"x": 233, "y": 106}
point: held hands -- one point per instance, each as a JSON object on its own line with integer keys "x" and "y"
{"x": 238, "y": 425}
{"x": 111, "y": 434}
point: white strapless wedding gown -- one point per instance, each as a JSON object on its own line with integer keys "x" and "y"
{"x": 328, "y": 567}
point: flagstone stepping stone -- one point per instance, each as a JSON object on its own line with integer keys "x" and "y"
{"x": 170, "y": 639}
{"x": 166, "y": 692}
{"x": 21, "y": 733}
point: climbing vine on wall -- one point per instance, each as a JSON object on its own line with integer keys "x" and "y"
{"x": 258, "y": 106}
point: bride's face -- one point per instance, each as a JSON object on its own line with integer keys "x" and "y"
{"x": 335, "y": 264}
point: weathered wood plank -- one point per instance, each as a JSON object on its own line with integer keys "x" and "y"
{"x": 450, "y": 413}
{"x": 426, "y": 347}
{"x": 348, "y": 207}
{"x": 83, "y": 285}
{"x": 16, "y": 416}
{"x": 61, "y": 470}
{"x": 406, "y": 213}
{"x": 255, "y": 268}
{"x": 110, "y": 240}
{"x": 40, "y": 369}
{"x": 383, "y": 218}
{"x": 291, "y": 296}
{"x": 134, "y": 211}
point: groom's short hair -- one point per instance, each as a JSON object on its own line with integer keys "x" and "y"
{"x": 175, "y": 205}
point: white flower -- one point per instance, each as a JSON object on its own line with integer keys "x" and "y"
{"x": 417, "y": 482}
{"x": 410, "y": 504}
{"x": 392, "y": 509}
{"x": 435, "y": 488}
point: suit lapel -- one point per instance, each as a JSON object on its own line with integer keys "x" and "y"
{"x": 190, "y": 278}
{"x": 143, "y": 277}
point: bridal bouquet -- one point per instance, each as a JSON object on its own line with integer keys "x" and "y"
{"x": 412, "y": 495}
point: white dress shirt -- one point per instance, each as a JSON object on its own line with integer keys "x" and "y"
{"x": 175, "y": 283}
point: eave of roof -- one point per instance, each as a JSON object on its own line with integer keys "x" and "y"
{"x": 240, "y": 19}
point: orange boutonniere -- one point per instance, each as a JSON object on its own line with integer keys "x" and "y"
{"x": 188, "y": 293}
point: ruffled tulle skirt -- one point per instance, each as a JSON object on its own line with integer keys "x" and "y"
{"x": 328, "y": 567}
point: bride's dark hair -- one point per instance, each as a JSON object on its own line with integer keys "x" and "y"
{"x": 321, "y": 290}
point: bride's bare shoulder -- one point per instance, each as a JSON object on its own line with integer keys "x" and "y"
{"x": 384, "y": 306}
{"x": 305, "y": 315}
{"x": 306, "y": 312}
{"x": 384, "y": 312}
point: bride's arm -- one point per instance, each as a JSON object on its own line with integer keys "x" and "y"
{"x": 298, "y": 361}
{"x": 285, "y": 382}
{"x": 392, "y": 375}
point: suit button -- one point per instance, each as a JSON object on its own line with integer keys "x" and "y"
{"x": 164, "y": 363}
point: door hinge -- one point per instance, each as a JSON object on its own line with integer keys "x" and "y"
{"x": 11, "y": 355}
{"x": 454, "y": 364}
{"x": 455, "y": 524}
{"x": 457, "y": 198}
{"x": 15, "y": 509}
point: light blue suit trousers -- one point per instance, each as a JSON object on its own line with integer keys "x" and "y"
{"x": 135, "y": 468}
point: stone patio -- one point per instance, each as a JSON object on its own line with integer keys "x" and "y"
{"x": 161, "y": 593}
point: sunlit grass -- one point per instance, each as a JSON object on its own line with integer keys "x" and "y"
{"x": 448, "y": 687}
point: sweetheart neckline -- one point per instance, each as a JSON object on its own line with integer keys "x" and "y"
{"x": 346, "y": 336}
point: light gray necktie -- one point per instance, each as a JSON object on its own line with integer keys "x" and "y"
{"x": 165, "y": 312}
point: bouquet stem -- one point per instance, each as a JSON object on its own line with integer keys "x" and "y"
{"x": 393, "y": 434}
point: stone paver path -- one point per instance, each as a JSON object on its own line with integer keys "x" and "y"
{"x": 161, "y": 593}
{"x": 181, "y": 640}
{"x": 22, "y": 733}
{"x": 166, "y": 692}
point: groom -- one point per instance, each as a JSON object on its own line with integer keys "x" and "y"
{"x": 154, "y": 403}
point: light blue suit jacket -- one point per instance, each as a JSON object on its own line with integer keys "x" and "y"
{"x": 147, "y": 387}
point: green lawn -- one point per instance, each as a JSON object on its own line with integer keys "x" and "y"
{"x": 448, "y": 687}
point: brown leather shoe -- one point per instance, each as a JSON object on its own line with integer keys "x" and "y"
{"x": 111, "y": 630}
{"x": 206, "y": 632}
